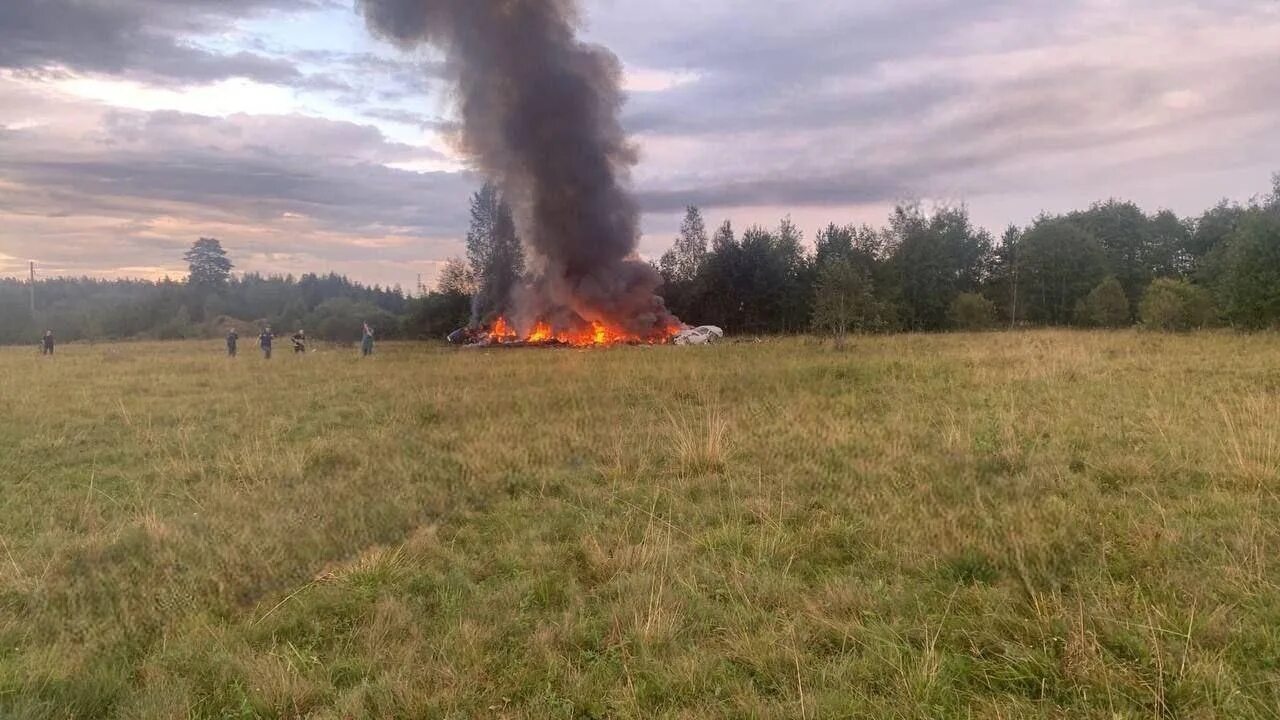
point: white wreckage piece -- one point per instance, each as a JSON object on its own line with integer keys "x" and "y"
{"x": 703, "y": 335}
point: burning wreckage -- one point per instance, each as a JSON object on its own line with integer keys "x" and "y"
{"x": 502, "y": 334}
{"x": 540, "y": 118}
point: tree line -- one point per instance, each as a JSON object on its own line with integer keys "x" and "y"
{"x": 207, "y": 304}
{"x": 1111, "y": 265}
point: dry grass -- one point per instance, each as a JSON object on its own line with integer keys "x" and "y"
{"x": 1047, "y": 524}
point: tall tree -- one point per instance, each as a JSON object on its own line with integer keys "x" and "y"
{"x": 761, "y": 280}
{"x": 796, "y": 309}
{"x": 682, "y": 265}
{"x": 1059, "y": 263}
{"x": 208, "y": 263}
{"x": 1170, "y": 236}
{"x": 863, "y": 245}
{"x": 1212, "y": 228}
{"x": 1003, "y": 282}
{"x": 833, "y": 244}
{"x": 762, "y": 283}
{"x": 209, "y": 272}
{"x": 494, "y": 253}
{"x": 720, "y": 281}
{"x": 1248, "y": 285}
{"x": 682, "y": 262}
{"x": 935, "y": 258}
{"x": 1125, "y": 235}
{"x": 724, "y": 236}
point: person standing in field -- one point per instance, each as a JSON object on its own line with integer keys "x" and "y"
{"x": 233, "y": 339}
{"x": 46, "y": 343}
{"x": 264, "y": 340}
{"x": 366, "y": 341}
{"x": 299, "y": 342}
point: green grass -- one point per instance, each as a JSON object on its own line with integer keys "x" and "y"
{"x": 1047, "y": 524}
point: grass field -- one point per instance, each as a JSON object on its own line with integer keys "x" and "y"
{"x": 1048, "y": 524}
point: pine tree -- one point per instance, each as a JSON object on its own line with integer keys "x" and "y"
{"x": 208, "y": 264}
{"x": 210, "y": 271}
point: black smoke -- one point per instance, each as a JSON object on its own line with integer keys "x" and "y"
{"x": 540, "y": 112}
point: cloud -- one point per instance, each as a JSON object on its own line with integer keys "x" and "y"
{"x": 827, "y": 108}
{"x": 814, "y": 105}
{"x": 410, "y": 117}
{"x": 139, "y": 39}
{"x": 88, "y": 186}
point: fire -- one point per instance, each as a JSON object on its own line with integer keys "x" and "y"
{"x": 503, "y": 332}
{"x": 541, "y": 333}
{"x": 597, "y": 334}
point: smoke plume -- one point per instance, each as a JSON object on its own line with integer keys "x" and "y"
{"x": 540, "y": 117}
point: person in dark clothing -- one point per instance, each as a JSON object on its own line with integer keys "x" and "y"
{"x": 366, "y": 341}
{"x": 46, "y": 344}
{"x": 299, "y": 342}
{"x": 233, "y": 338}
{"x": 264, "y": 340}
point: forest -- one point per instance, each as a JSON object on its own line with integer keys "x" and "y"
{"x": 331, "y": 307}
{"x": 931, "y": 269}
{"x": 927, "y": 269}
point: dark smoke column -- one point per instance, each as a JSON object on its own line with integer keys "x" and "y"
{"x": 540, "y": 117}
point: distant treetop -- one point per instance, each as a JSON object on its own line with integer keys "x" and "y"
{"x": 209, "y": 264}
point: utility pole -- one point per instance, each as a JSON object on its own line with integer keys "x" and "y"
{"x": 33, "y": 290}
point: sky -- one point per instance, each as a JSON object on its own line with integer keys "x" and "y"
{"x": 129, "y": 128}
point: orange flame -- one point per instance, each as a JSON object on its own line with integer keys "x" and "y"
{"x": 541, "y": 333}
{"x": 503, "y": 332}
{"x": 599, "y": 334}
